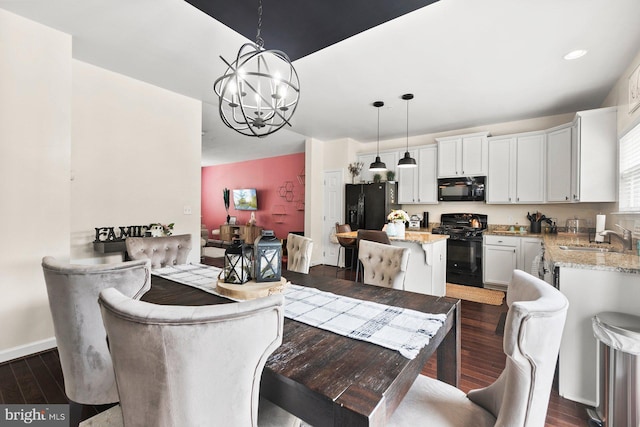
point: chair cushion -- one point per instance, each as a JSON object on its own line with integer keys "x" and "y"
{"x": 384, "y": 265}
{"x": 434, "y": 403}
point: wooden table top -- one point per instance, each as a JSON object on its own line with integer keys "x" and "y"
{"x": 331, "y": 380}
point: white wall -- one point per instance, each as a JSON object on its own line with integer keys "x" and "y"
{"x": 35, "y": 124}
{"x": 82, "y": 147}
{"x": 135, "y": 158}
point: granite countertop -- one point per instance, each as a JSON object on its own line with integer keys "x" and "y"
{"x": 420, "y": 237}
{"x": 511, "y": 233}
{"x": 621, "y": 261}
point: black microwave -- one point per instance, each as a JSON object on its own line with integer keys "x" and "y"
{"x": 461, "y": 189}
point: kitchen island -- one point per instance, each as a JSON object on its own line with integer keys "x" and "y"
{"x": 426, "y": 272}
{"x": 593, "y": 282}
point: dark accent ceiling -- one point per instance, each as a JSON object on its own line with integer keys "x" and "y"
{"x": 302, "y": 27}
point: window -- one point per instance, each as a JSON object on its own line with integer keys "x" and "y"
{"x": 629, "y": 192}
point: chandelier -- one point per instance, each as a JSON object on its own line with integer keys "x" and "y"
{"x": 259, "y": 91}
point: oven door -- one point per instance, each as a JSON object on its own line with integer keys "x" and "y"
{"x": 464, "y": 262}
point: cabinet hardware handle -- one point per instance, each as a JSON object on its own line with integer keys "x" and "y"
{"x": 566, "y": 197}
{"x": 518, "y": 199}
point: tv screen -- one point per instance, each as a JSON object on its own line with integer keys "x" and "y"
{"x": 245, "y": 199}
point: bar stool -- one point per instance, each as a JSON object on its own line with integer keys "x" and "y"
{"x": 345, "y": 243}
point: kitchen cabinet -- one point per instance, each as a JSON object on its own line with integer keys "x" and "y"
{"x": 463, "y": 155}
{"x": 559, "y": 164}
{"x": 582, "y": 158}
{"x": 516, "y": 168}
{"x": 389, "y": 158}
{"x": 426, "y": 271}
{"x": 503, "y": 254}
{"x": 420, "y": 184}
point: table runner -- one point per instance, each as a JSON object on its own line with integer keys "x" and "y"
{"x": 396, "y": 328}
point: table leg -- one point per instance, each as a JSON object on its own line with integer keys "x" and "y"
{"x": 449, "y": 351}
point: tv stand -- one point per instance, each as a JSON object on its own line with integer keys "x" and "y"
{"x": 248, "y": 233}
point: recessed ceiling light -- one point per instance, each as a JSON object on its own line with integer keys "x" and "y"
{"x": 575, "y": 54}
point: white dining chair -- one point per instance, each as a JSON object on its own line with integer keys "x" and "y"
{"x": 191, "y": 366}
{"x": 73, "y": 291}
{"x": 520, "y": 395}
{"x": 162, "y": 251}
{"x": 382, "y": 264}
{"x": 299, "y": 250}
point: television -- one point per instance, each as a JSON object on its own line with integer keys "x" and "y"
{"x": 245, "y": 199}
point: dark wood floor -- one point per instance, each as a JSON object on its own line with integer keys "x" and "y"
{"x": 38, "y": 378}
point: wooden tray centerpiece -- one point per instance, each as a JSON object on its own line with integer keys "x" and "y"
{"x": 251, "y": 289}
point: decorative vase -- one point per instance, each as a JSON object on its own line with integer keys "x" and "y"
{"x": 391, "y": 229}
{"x": 399, "y": 226}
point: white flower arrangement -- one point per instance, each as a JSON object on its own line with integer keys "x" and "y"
{"x": 398, "y": 215}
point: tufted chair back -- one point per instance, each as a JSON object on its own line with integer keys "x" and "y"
{"x": 299, "y": 253}
{"x": 73, "y": 299}
{"x": 384, "y": 265}
{"x": 190, "y": 366}
{"x": 162, "y": 251}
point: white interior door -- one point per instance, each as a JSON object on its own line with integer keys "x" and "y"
{"x": 333, "y": 209}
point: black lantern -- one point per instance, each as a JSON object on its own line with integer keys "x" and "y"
{"x": 237, "y": 263}
{"x": 267, "y": 257}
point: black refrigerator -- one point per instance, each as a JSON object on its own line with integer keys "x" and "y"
{"x": 367, "y": 205}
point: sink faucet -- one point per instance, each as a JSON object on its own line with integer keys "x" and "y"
{"x": 625, "y": 237}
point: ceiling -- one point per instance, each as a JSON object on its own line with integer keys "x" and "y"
{"x": 468, "y": 63}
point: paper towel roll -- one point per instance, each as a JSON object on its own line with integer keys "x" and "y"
{"x": 600, "y": 221}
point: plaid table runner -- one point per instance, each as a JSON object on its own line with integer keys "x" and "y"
{"x": 401, "y": 329}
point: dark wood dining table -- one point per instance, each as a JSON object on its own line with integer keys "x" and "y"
{"x": 332, "y": 380}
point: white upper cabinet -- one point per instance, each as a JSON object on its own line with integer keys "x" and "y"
{"x": 462, "y": 155}
{"x": 516, "y": 168}
{"x": 420, "y": 184}
{"x": 559, "y": 165}
{"x": 582, "y": 158}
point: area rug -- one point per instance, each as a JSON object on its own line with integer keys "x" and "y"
{"x": 471, "y": 293}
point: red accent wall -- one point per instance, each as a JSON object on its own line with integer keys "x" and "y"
{"x": 267, "y": 176}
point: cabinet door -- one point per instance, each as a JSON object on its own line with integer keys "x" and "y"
{"x": 449, "y": 158}
{"x": 559, "y": 165}
{"x": 499, "y": 263}
{"x": 427, "y": 175}
{"x": 439, "y": 275}
{"x": 529, "y": 249}
{"x": 530, "y": 169}
{"x": 408, "y": 182}
{"x": 474, "y": 156}
{"x": 500, "y": 175}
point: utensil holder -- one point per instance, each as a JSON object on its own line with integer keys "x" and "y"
{"x": 535, "y": 227}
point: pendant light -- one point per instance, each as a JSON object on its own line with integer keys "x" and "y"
{"x": 378, "y": 165}
{"x": 259, "y": 91}
{"x": 407, "y": 161}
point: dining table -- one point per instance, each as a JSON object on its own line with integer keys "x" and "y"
{"x": 327, "y": 379}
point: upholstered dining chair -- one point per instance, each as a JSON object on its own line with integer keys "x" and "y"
{"x": 162, "y": 251}
{"x": 373, "y": 236}
{"x": 191, "y": 366}
{"x": 383, "y": 265}
{"x": 80, "y": 335}
{"x": 299, "y": 250}
{"x": 345, "y": 243}
{"x": 520, "y": 395}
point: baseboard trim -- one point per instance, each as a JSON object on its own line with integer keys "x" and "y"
{"x": 27, "y": 349}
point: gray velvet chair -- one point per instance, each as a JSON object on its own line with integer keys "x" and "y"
{"x": 80, "y": 335}
{"x": 383, "y": 265}
{"x": 162, "y": 251}
{"x": 520, "y": 395}
{"x": 191, "y": 366}
{"x": 299, "y": 250}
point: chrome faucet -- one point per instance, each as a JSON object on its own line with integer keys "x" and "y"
{"x": 625, "y": 237}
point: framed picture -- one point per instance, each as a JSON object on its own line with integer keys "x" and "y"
{"x": 634, "y": 90}
{"x": 232, "y": 220}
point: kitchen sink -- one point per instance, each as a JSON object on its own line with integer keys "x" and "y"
{"x": 585, "y": 249}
